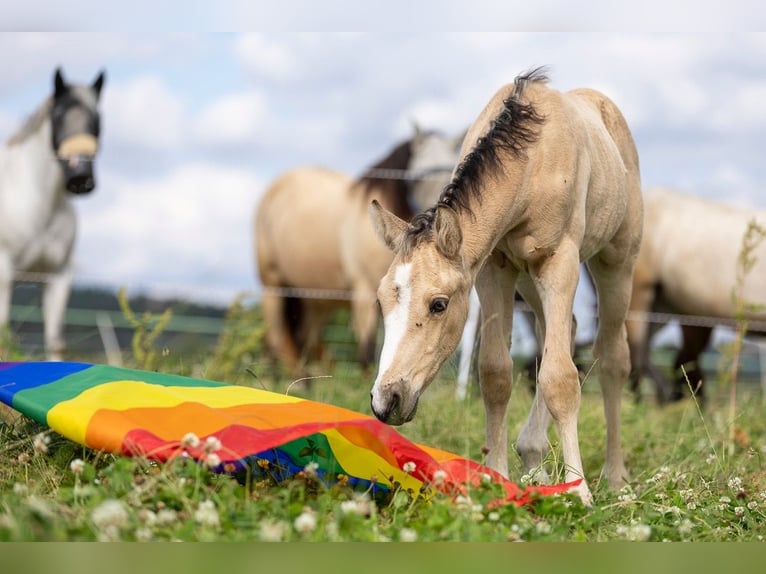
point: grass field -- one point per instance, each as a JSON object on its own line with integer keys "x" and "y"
{"x": 697, "y": 474}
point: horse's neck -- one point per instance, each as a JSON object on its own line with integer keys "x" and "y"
{"x": 499, "y": 211}
{"x": 31, "y": 173}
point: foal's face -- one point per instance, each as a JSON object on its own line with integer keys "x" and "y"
{"x": 424, "y": 301}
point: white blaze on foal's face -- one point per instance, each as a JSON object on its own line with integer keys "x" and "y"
{"x": 395, "y": 322}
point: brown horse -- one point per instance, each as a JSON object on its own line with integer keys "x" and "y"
{"x": 317, "y": 252}
{"x": 546, "y": 180}
{"x": 688, "y": 265}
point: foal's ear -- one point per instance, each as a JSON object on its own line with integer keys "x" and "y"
{"x": 449, "y": 237}
{"x": 388, "y": 227}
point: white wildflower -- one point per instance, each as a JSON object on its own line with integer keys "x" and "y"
{"x": 691, "y": 505}
{"x": 207, "y": 515}
{"x": 305, "y": 522}
{"x": 77, "y": 466}
{"x": 360, "y": 505}
{"x": 212, "y": 460}
{"x": 41, "y": 442}
{"x": 685, "y": 527}
{"x": 190, "y": 440}
{"x": 493, "y": 516}
{"x": 486, "y": 478}
{"x": 735, "y": 483}
{"x": 753, "y": 505}
{"x": 543, "y": 527}
{"x": 272, "y": 531}
{"x": 409, "y": 467}
{"x": 739, "y": 511}
{"x": 212, "y": 444}
{"x": 144, "y": 534}
{"x": 724, "y": 500}
{"x": 311, "y": 469}
{"x": 166, "y": 517}
{"x": 440, "y": 476}
{"x": 710, "y": 459}
{"x": 112, "y": 513}
{"x": 147, "y": 516}
{"x": 20, "y": 489}
{"x": 635, "y": 532}
{"x": 408, "y": 535}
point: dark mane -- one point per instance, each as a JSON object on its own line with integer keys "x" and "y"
{"x": 515, "y": 127}
{"x": 393, "y": 190}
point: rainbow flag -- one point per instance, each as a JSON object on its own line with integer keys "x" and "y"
{"x": 159, "y": 416}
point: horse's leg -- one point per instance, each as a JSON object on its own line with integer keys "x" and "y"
{"x": 495, "y": 286}
{"x": 467, "y": 341}
{"x": 640, "y": 330}
{"x": 278, "y": 335}
{"x": 6, "y": 288}
{"x": 532, "y": 444}
{"x": 55, "y": 297}
{"x": 364, "y": 316}
{"x": 612, "y": 355}
{"x": 556, "y": 280}
{"x": 694, "y": 340}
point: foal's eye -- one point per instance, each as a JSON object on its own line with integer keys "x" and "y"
{"x": 438, "y": 306}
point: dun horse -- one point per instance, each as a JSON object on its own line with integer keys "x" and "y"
{"x": 49, "y": 158}
{"x": 315, "y": 245}
{"x": 546, "y": 180}
{"x": 688, "y": 265}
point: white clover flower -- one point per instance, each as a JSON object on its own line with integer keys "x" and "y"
{"x": 166, "y": 517}
{"x": 305, "y": 522}
{"x": 735, "y": 483}
{"x": 144, "y": 534}
{"x": 685, "y": 527}
{"x": 311, "y": 469}
{"x": 112, "y": 513}
{"x": 440, "y": 476}
{"x": 360, "y": 505}
{"x": 739, "y": 511}
{"x": 710, "y": 459}
{"x": 635, "y": 532}
{"x": 409, "y": 467}
{"x": 190, "y": 440}
{"x": 408, "y": 535}
{"x": 691, "y": 505}
{"x": 23, "y": 458}
{"x": 493, "y": 516}
{"x": 212, "y": 444}
{"x": 41, "y": 442}
{"x": 753, "y": 505}
{"x": 543, "y": 527}
{"x": 207, "y": 515}
{"x": 724, "y": 500}
{"x": 463, "y": 502}
{"x": 147, "y": 516}
{"x": 272, "y": 531}
{"x": 77, "y": 466}
{"x": 486, "y": 478}
{"x": 212, "y": 460}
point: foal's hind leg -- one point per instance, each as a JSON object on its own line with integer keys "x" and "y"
{"x": 612, "y": 355}
{"x": 55, "y": 298}
{"x": 278, "y": 335}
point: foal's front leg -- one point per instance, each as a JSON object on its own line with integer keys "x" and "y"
{"x": 496, "y": 287}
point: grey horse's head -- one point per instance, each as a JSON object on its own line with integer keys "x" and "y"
{"x": 76, "y": 126}
{"x": 433, "y": 156}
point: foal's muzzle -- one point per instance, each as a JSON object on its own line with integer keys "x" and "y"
{"x": 394, "y": 407}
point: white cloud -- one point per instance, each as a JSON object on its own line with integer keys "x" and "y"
{"x": 190, "y": 228}
{"x": 144, "y": 112}
{"x": 233, "y": 119}
{"x": 265, "y": 55}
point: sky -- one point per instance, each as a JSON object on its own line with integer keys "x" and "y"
{"x": 195, "y": 125}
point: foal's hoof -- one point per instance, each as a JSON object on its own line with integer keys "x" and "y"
{"x": 583, "y": 492}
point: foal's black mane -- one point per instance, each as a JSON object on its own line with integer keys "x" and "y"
{"x": 394, "y": 190}
{"x": 512, "y": 131}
